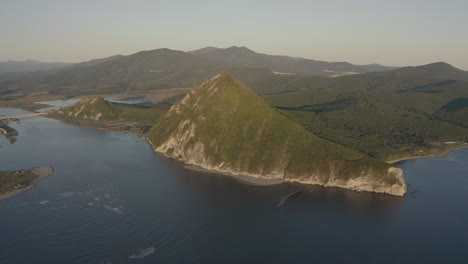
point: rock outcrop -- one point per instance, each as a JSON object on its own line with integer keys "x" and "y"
{"x": 92, "y": 109}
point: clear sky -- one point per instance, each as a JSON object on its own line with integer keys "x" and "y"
{"x": 390, "y": 32}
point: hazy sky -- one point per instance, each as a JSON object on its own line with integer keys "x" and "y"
{"x": 397, "y": 32}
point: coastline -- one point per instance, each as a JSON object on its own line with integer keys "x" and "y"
{"x": 245, "y": 179}
{"x": 253, "y": 180}
{"x": 353, "y": 185}
{"x": 104, "y": 125}
{"x": 41, "y": 172}
{"x": 441, "y": 154}
{"x": 241, "y": 178}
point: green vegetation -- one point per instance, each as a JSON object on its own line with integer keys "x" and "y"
{"x": 12, "y": 180}
{"x": 406, "y": 112}
{"x": 97, "y": 108}
{"x": 99, "y": 113}
{"x": 165, "y": 69}
{"x": 455, "y": 111}
{"x": 224, "y": 123}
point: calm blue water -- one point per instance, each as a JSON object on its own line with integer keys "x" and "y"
{"x": 113, "y": 200}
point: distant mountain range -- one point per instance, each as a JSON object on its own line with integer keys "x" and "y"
{"x": 244, "y": 57}
{"x": 29, "y": 66}
{"x": 165, "y": 68}
{"x": 13, "y": 70}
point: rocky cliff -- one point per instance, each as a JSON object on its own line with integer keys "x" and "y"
{"x": 223, "y": 125}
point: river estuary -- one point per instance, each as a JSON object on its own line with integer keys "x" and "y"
{"x": 113, "y": 200}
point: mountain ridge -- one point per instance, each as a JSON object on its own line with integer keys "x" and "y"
{"x": 165, "y": 69}
{"x": 29, "y": 66}
{"x": 435, "y": 70}
{"x": 280, "y": 63}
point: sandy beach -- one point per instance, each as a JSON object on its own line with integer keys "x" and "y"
{"x": 41, "y": 172}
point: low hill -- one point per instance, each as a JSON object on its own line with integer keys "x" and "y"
{"x": 99, "y": 113}
{"x": 96, "y": 108}
{"x": 435, "y": 71}
{"x": 223, "y": 125}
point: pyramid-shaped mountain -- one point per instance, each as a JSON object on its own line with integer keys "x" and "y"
{"x": 222, "y": 125}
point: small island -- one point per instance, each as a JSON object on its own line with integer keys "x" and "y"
{"x": 15, "y": 182}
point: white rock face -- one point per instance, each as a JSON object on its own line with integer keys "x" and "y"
{"x": 97, "y": 116}
{"x": 174, "y": 148}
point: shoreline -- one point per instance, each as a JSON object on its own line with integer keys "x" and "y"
{"x": 239, "y": 177}
{"x": 252, "y": 180}
{"x": 109, "y": 126}
{"x": 41, "y": 172}
{"x": 245, "y": 178}
{"x": 442, "y": 154}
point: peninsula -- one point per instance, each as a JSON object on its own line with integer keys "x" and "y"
{"x": 98, "y": 113}
{"x": 15, "y": 182}
{"x": 222, "y": 125}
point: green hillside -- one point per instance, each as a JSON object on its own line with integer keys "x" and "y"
{"x": 96, "y": 108}
{"x": 389, "y": 115}
{"x": 223, "y": 125}
{"x": 245, "y": 57}
{"x": 99, "y": 113}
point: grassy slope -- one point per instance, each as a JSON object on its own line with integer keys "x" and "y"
{"x": 240, "y": 129}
